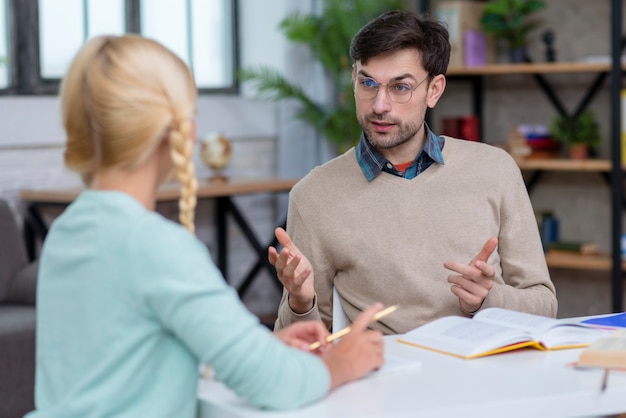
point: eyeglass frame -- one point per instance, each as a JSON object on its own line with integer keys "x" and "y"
{"x": 378, "y": 85}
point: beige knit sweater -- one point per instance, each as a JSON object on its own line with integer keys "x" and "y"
{"x": 386, "y": 241}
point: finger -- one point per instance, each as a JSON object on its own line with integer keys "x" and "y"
{"x": 469, "y": 298}
{"x": 283, "y": 259}
{"x": 283, "y": 238}
{"x": 291, "y": 265}
{"x": 463, "y": 269}
{"x": 272, "y": 255}
{"x": 485, "y": 268}
{"x": 365, "y": 318}
{"x": 471, "y": 272}
{"x": 302, "y": 277}
{"x": 317, "y": 331}
{"x": 476, "y": 288}
{"x": 487, "y": 250}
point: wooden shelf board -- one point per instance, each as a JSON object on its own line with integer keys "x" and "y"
{"x": 532, "y": 68}
{"x": 579, "y": 261}
{"x": 540, "y": 68}
{"x": 562, "y": 164}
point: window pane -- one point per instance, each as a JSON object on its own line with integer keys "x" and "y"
{"x": 5, "y": 74}
{"x": 65, "y": 24}
{"x": 166, "y": 22}
{"x": 212, "y": 43}
{"x": 105, "y": 17}
{"x": 198, "y": 31}
{"x": 61, "y": 33}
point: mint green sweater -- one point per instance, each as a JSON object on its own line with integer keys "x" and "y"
{"x": 128, "y": 306}
{"x": 387, "y": 240}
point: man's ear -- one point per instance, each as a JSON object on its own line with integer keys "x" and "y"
{"x": 436, "y": 88}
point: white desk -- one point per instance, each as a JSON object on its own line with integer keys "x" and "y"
{"x": 523, "y": 383}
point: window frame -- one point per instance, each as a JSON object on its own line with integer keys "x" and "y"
{"x": 24, "y": 49}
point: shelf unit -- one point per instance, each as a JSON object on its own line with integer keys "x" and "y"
{"x": 611, "y": 169}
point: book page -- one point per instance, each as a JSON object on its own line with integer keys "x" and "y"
{"x": 552, "y": 333}
{"x": 463, "y": 337}
{"x": 534, "y": 324}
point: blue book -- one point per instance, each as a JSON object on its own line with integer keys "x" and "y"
{"x": 616, "y": 321}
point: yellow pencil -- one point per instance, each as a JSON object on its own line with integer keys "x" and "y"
{"x": 342, "y": 332}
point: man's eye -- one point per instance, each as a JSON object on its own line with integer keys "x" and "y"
{"x": 369, "y": 83}
{"x": 401, "y": 87}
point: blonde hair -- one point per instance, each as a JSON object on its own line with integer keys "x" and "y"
{"x": 121, "y": 97}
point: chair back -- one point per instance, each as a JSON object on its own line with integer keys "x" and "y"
{"x": 13, "y": 255}
{"x": 340, "y": 320}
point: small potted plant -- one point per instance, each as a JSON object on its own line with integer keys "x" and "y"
{"x": 579, "y": 133}
{"x": 509, "y": 20}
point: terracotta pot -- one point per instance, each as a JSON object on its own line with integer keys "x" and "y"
{"x": 578, "y": 151}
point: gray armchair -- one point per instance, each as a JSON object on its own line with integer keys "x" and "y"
{"x": 18, "y": 283}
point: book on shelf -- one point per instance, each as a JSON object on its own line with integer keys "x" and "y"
{"x": 468, "y": 42}
{"x": 497, "y": 330}
{"x": 608, "y": 352}
{"x": 573, "y": 247}
{"x": 623, "y": 126}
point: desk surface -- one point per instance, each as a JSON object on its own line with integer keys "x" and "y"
{"x": 171, "y": 191}
{"x": 523, "y": 383}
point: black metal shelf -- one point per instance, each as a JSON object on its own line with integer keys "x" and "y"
{"x": 538, "y": 71}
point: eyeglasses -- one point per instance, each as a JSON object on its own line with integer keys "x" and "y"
{"x": 366, "y": 88}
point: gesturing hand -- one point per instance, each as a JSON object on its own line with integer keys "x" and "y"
{"x": 294, "y": 272}
{"x": 474, "y": 280}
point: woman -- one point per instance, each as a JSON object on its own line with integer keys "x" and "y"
{"x": 129, "y": 303}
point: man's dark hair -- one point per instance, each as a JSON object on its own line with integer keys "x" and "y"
{"x": 401, "y": 29}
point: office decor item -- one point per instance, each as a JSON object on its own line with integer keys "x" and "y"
{"x": 216, "y": 151}
{"x": 510, "y": 20}
{"x": 327, "y": 36}
{"x": 548, "y": 39}
{"x": 497, "y": 330}
{"x": 580, "y": 133}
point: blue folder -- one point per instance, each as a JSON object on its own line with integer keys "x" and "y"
{"x": 618, "y": 321}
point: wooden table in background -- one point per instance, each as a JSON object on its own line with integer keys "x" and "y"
{"x": 37, "y": 200}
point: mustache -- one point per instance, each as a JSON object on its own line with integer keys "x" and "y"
{"x": 381, "y": 117}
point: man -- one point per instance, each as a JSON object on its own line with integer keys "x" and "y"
{"x": 437, "y": 225}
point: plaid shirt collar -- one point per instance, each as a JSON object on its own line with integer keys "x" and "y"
{"x": 372, "y": 163}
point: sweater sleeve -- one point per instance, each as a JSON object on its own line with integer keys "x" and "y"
{"x": 527, "y": 286}
{"x": 191, "y": 299}
{"x": 309, "y": 244}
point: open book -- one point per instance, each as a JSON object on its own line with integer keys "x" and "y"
{"x": 496, "y": 330}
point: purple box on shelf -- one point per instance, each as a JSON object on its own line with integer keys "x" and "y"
{"x": 475, "y": 48}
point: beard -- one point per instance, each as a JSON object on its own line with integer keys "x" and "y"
{"x": 403, "y": 132}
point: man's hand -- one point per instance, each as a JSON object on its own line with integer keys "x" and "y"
{"x": 474, "y": 280}
{"x": 294, "y": 272}
{"x": 302, "y": 334}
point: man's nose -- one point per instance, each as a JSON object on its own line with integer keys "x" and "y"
{"x": 382, "y": 101}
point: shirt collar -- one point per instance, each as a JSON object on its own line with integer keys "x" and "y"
{"x": 372, "y": 163}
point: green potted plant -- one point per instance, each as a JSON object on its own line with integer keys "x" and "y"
{"x": 327, "y": 36}
{"x": 579, "y": 133}
{"x": 509, "y": 20}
